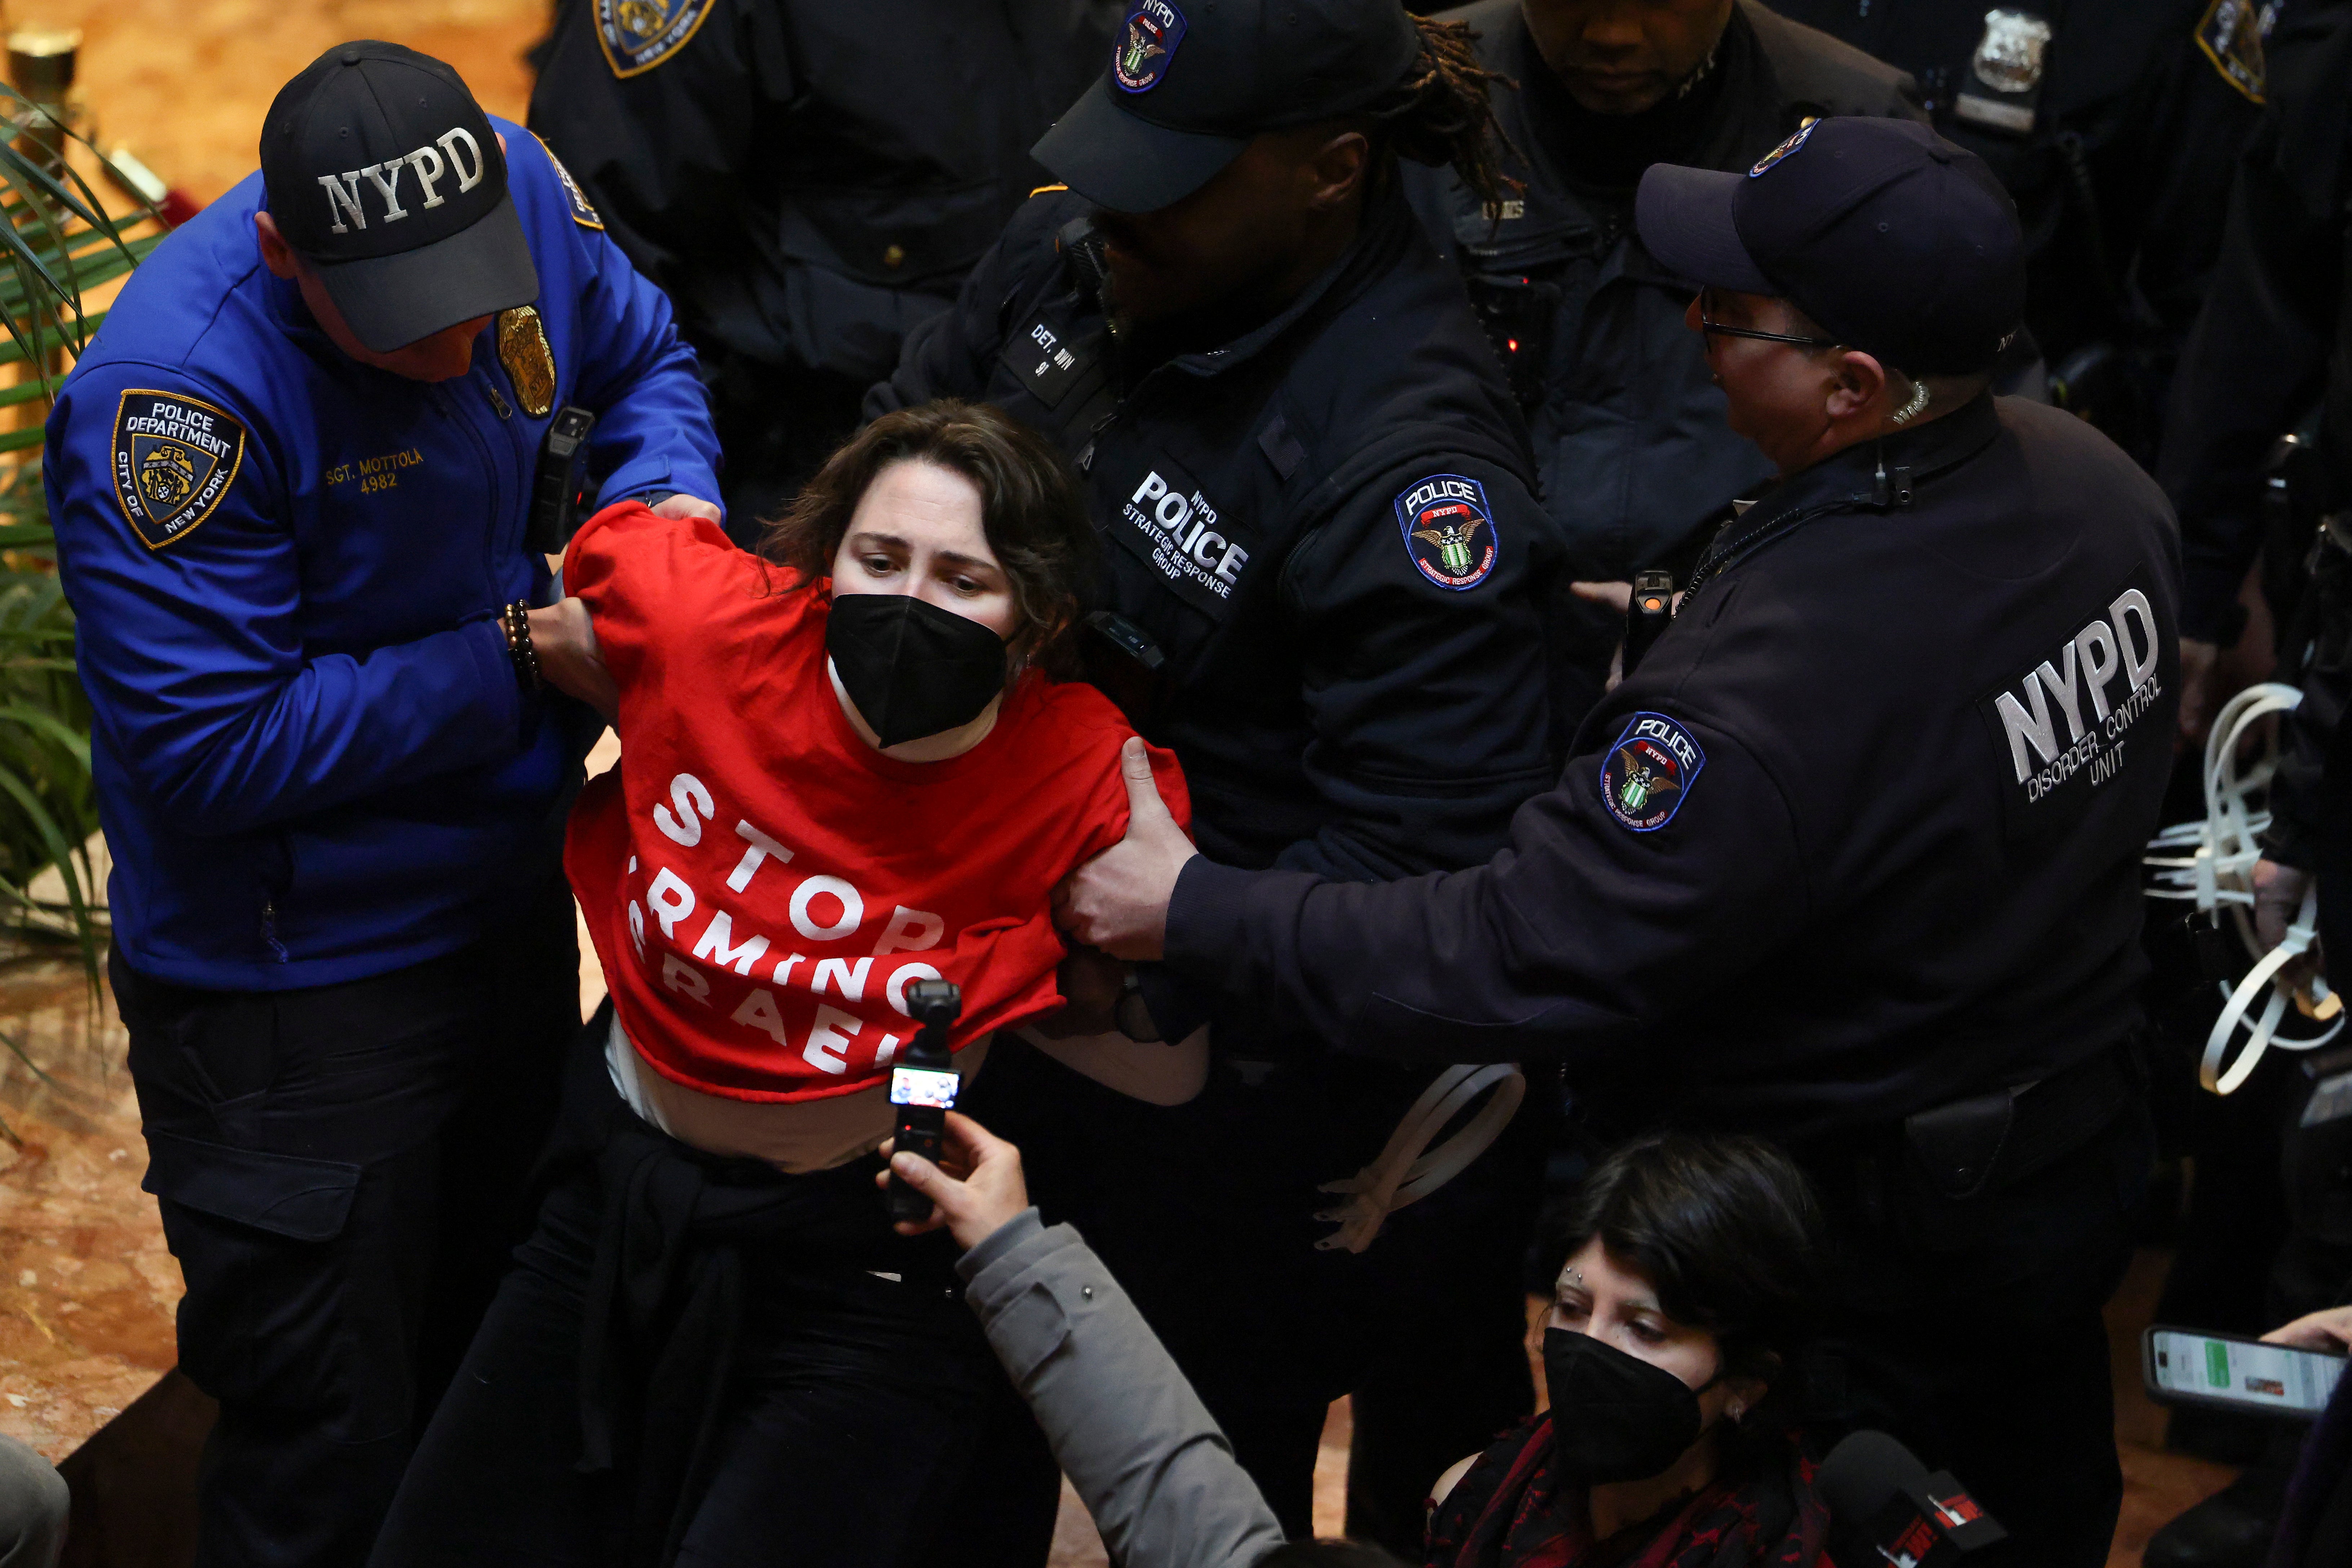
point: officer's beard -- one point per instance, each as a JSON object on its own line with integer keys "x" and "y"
{"x": 1143, "y": 345}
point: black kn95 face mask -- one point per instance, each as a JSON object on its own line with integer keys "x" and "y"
{"x": 912, "y": 668}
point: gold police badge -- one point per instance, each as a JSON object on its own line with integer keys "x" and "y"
{"x": 530, "y": 363}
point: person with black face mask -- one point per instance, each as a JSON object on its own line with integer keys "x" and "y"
{"x": 846, "y": 770}
{"x": 1677, "y": 1315}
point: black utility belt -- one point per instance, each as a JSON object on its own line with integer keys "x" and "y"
{"x": 1990, "y": 1140}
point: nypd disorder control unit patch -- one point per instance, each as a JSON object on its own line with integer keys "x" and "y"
{"x": 1649, "y": 772}
{"x": 1449, "y": 530}
{"x": 174, "y": 459}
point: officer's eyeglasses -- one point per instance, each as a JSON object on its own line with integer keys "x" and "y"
{"x": 1708, "y": 325}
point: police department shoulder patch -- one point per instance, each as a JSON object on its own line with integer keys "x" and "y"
{"x": 1146, "y": 44}
{"x": 1649, "y": 772}
{"x": 1783, "y": 150}
{"x": 638, "y": 35}
{"x": 1449, "y": 530}
{"x": 582, "y": 213}
{"x": 2230, "y": 33}
{"x": 174, "y": 459}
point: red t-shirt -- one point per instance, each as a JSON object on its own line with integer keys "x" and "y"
{"x": 761, "y": 885}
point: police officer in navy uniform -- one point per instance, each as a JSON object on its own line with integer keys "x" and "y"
{"x": 2115, "y": 127}
{"x": 1322, "y": 557}
{"x": 290, "y": 478}
{"x": 1851, "y": 859}
{"x": 808, "y": 180}
{"x": 2275, "y": 339}
{"x": 1626, "y": 421}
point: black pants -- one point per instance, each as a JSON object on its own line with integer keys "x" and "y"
{"x": 341, "y": 1174}
{"x": 1205, "y": 1214}
{"x": 845, "y": 1436}
{"x": 1971, "y": 1331}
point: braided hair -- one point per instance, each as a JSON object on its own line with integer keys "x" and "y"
{"x": 1441, "y": 113}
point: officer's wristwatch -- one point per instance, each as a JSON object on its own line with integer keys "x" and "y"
{"x": 1132, "y": 1016}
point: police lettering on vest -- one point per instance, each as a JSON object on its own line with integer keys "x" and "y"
{"x": 1172, "y": 525}
{"x": 345, "y": 193}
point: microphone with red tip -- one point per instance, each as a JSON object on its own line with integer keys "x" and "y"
{"x": 1885, "y": 1507}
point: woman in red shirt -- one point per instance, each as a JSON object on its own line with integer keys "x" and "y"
{"x": 845, "y": 767}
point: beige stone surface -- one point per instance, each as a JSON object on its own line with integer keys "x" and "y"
{"x": 184, "y": 85}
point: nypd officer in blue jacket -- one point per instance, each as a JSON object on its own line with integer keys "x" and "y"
{"x": 1851, "y": 859}
{"x": 290, "y": 481}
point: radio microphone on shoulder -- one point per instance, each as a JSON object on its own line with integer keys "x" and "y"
{"x": 1885, "y": 1507}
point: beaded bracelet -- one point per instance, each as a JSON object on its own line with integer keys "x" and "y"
{"x": 515, "y": 621}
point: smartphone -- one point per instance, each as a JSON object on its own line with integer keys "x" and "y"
{"x": 2185, "y": 1367}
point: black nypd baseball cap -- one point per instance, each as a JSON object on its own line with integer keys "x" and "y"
{"x": 1191, "y": 81}
{"x": 1896, "y": 242}
{"x": 384, "y": 175}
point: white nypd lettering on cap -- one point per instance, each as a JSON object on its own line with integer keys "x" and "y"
{"x": 437, "y": 160}
{"x": 1146, "y": 44}
{"x": 2069, "y": 715}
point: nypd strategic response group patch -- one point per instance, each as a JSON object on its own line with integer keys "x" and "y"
{"x": 638, "y": 35}
{"x": 1147, "y": 45}
{"x": 1448, "y": 530}
{"x": 1649, "y": 772}
{"x": 175, "y": 459}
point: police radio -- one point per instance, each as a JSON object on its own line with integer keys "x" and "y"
{"x": 557, "y": 485}
{"x": 923, "y": 1087}
{"x": 1647, "y": 613}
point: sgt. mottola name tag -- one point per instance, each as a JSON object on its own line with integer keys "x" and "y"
{"x": 175, "y": 459}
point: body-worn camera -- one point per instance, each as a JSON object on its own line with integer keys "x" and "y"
{"x": 923, "y": 1087}
{"x": 1647, "y": 613}
{"x": 557, "y": 481}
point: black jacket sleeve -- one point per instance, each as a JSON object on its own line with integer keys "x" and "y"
{"x": 669, "y": 153}
{"x": 1568, "y": 942}
{"x": 2253, "y": 364}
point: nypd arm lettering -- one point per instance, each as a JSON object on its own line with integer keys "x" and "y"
{"x": 2067, "y": 720}
{"x": 185, "y": 591}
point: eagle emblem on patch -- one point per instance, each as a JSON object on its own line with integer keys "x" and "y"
{"x": 1649, "y": 772}
{"x": 1784, "y": 149}
{"x": 638, "y": 35}
{"x": 2231, "y": 33}
{"x": 528, "y": 363}
{"x": 174, "y": 459}
{"x": 1146, "y": 44}
{"x": 1449, "y": 530}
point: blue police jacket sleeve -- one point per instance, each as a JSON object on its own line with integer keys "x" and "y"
{"x": 194, "y": 663}
{"x": 1600, "y": 918}
{"x": 1425, "y": 677}
{"x": 637, "y": 374}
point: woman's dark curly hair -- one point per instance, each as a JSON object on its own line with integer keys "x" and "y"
{"x": 1441, "y": 113}
{"x": 1030, "y": 508}
{"x": 1727, "y": 1230}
